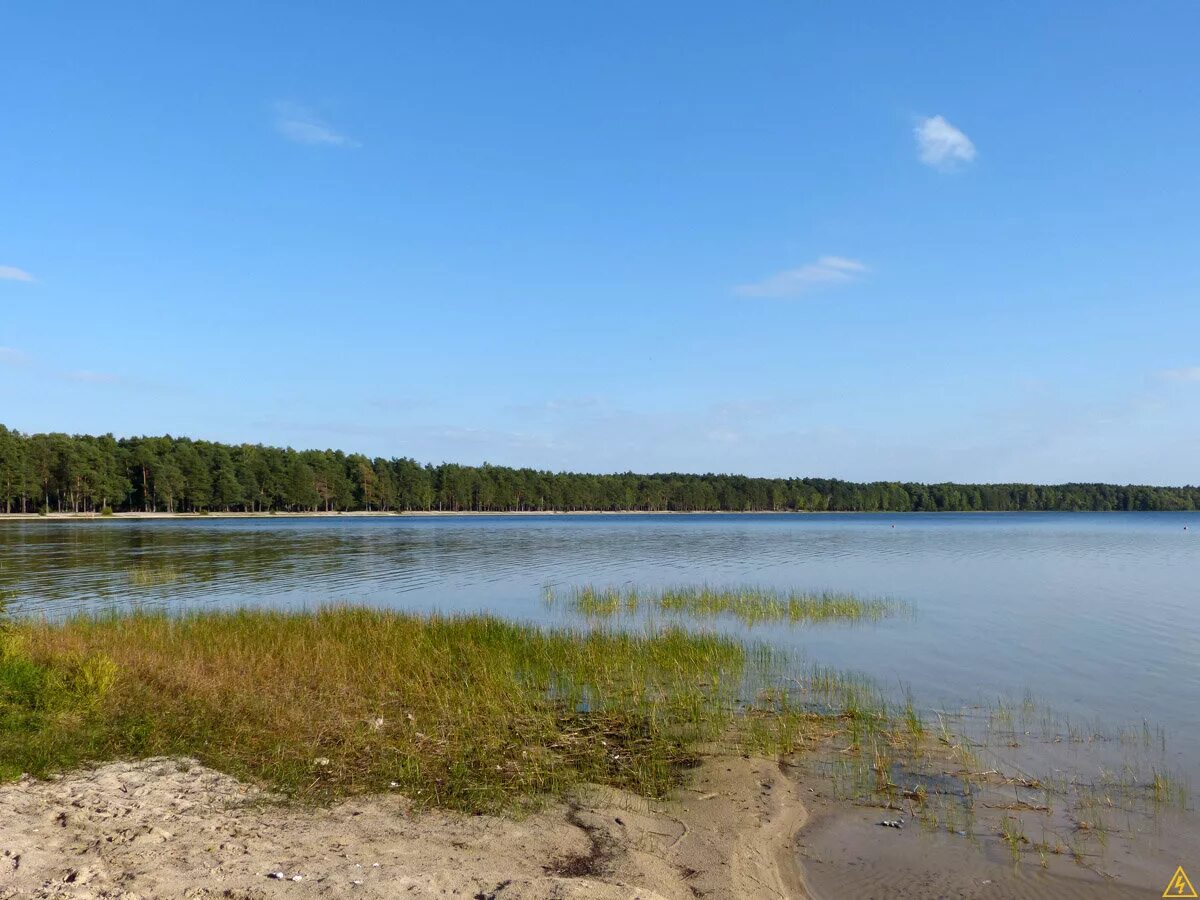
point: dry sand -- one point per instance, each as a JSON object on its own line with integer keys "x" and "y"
{"x": 172, "y": 828}
{"x": 742, "y": 828}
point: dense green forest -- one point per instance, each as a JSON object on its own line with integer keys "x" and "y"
{"x": 81, "y": 473}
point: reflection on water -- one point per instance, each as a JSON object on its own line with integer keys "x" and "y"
{"x": 1098, "y": 614}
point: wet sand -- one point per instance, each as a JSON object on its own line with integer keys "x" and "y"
{"x": 846, "y": 853}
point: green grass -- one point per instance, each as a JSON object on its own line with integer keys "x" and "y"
{"x": 1013, "y": 834}
{"x": 151, "y": 576}
{"x": 749, "y": 604}
{"x": 478, "y": 714}
{"x": 471, "y": 713}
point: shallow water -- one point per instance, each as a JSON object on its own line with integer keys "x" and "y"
{"x": 1095, "y": 614}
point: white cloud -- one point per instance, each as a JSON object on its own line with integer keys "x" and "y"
{"x": 10, "y": 356}
{"x": 300, "y": 124}
{"x": 12, "y": 273}
{"x": 1187, "y": 373}
{"x": 941, "y": 145}
{"x": 828, "y": 270}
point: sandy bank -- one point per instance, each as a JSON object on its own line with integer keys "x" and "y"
{"x": 743, "y": 828}
{"x": 172, "y": 828}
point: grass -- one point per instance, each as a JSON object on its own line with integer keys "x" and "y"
{"x": 471, "y": 713}
{"x": 153, "y": 576}
{"x": 1014, "y": 836}
{"x": 749, "y": 604}
{"x": 482, "y": 715}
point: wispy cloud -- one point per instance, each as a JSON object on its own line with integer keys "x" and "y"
{"x": 302, "y": 125}
{"x": 12, "y": 273}
{"x": 828, "y": 270}
{"x": 347, "y": 429}
{"x": 86, "y": 376}
{"x": 1187, "y": 373}
{"x": 941, "y": 145}
{"x": 398, "y": 403}
{"x": 11, "y": 356}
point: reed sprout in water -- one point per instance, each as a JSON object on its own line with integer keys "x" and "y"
{"x": 749, "y": 604}
{"x": 153, "y": 575}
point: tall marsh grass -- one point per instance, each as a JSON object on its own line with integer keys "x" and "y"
{"x": 466, "y": 712}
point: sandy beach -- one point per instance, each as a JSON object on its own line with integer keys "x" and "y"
{"x": 172, "y": 828}
{"x": 166, "y": 828}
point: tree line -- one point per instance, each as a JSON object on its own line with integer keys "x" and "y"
{"x": 88, "y": 474}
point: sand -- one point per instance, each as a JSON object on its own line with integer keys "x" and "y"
{"x": 167, "y": 828}
{"x": 172, "y": 828}
{"x": 845, "y": 852}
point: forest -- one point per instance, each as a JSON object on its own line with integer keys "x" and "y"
{"x": 99, "y": 474}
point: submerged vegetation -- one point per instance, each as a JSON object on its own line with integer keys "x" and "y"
{"x": 153, "y": 575}
{"x": 83, "y": 473}
{"x": 749, "y": 604}
{"x": 1015, "y": 775}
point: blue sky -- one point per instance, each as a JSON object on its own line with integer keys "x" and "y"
{"x": 930, "y": 242}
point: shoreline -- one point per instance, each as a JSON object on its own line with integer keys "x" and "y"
{"x": 745, "y": 827}
{"x": 505, "y": 514}
{"x": 400, "y": 755}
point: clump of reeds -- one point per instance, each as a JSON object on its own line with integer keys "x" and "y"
{"x": 750, "y": 605}
{"x": 153, "y": 575}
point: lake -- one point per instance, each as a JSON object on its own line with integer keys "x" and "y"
{"x": 1097, "y": 614}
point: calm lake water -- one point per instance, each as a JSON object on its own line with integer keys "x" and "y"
{"x": 1096, "y": 614}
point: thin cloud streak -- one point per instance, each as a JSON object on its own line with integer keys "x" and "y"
{"x": 1187, "y": 373}
{"x": 11, "y": 356}
{"x": 86, "y": 376}
{"x": 302, "y": 126}
{"x": 826, "y": 271}
{"x": 942, "y": 146}
{"x": 12, "y": 273}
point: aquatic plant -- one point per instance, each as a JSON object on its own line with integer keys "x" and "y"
{"x": 749, "y": 604}
{"x": 153, "y": 575}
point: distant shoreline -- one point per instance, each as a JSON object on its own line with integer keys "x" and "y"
{"x": 468, "y": 514}
{"x": 408, "y": 514}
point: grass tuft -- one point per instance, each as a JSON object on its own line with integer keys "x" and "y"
{"x": 153, "y": 576}
{"x": 749, "y": 604}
